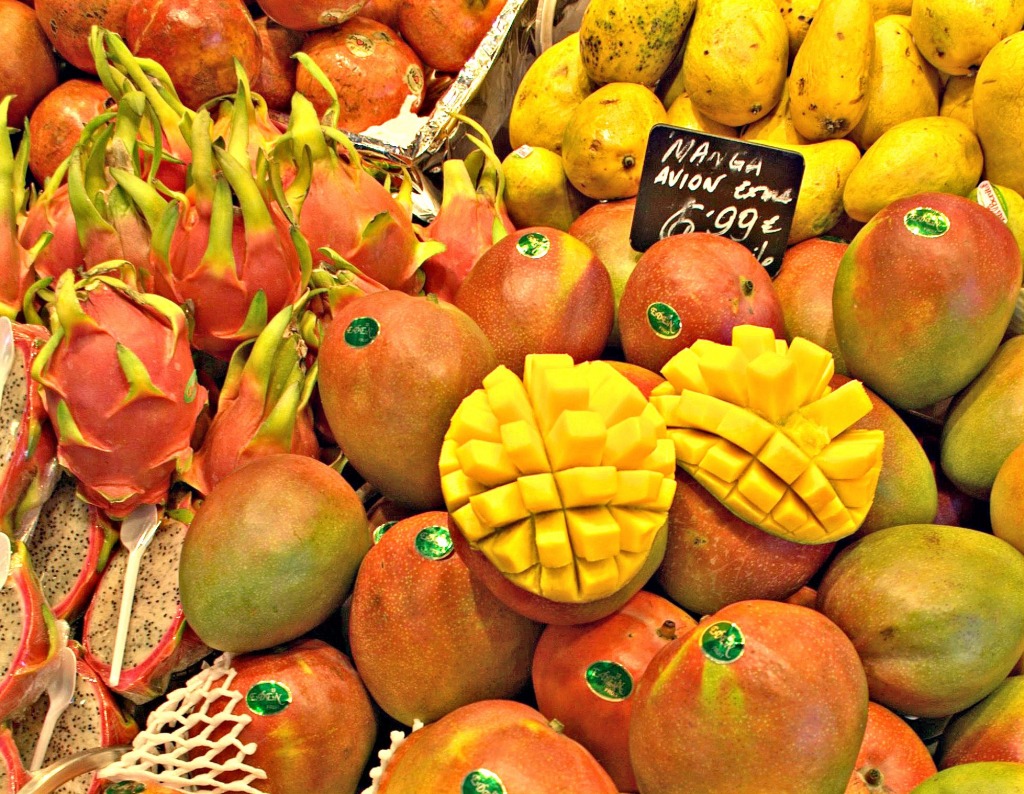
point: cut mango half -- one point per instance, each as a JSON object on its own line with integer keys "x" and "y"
{"x": 757, "y": 424}
{"x": 562, "y": 479}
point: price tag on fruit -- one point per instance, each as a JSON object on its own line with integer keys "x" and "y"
{"x": 696, "y": 182}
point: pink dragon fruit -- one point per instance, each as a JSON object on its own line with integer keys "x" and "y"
{"x": 235, "y": 266}
{"x": 15, "y": 259}
{"x": 70, "y": 546}
{"x": 120, "y": 388}
{"x": 263, "y": 407}
{"x": 246, "y": 117}
{"x": 29, "y": 636}
{"x": 28, "y": 463}
{"x": 12, "y": 771}
{"x": 160, "y": 642}
{"x": 374, "y": 231}
{"x": 472, "y": 218}
{"x": 93, "y": 719}
{"x": 50, "y": 218}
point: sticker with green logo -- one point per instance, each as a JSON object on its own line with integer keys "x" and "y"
{"x": 664, "y": 320}
{"x": 609, "y": 681}
{"x": 482, "y": 781}
{"x": 378, "y": 533}
{"x": 268, "y": 698}
{"x": 191, "y": 387}
{"x": 434, "y": 543}
{"x": 722, "y": 642}
{"x": 534, "y": 245}
{"x": 361, "y": 331}
{"x": 125, "y": 787}
{"x": 926, "y": 222}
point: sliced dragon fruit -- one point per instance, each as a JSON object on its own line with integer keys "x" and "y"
{"x": 29, "y": 635}
{"x": 70, "y": 547}
{"x": 12, "y": 771}
{"x": 94, "y": 718}
{"x": 159, "y": 640}
{"x": 27, "y": 445}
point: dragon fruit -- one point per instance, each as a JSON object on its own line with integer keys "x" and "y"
{"x": 264, "y": 404}
{"x": 120, "y": 388}
{"x": 12, "y": 771}
{"x": 246, "y": 117}
{"x": 28, "y": 464}
{"x": 236, "y": 266}
{"x": 29, "y": 636}
{"x": 160, "y": 642}
{"x": 375, "y": 231}
{"x": 472, "y": 217}
{"x": 70, "y": 546}
{"x": 93, "y": 719}
{"x": 15, "y": 259}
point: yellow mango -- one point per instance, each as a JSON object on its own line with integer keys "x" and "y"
{"x": 958, "y": 100}
{"x": 829, "y": 78}
{"x": 682, "y": 113}
{"x": 955, "y": 36}
{"x": 819, "y": 205}
{"x": 999, "y": 112}
{"x": 797, "y": 14}
{"x": 777, "y": 127}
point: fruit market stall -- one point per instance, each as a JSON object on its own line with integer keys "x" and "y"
{"x": 512, "y": 396}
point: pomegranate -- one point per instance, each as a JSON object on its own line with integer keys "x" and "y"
{"x": 58, "y": 121}
{"x": 29, "y": 68}
{"x": 67, "y": 24}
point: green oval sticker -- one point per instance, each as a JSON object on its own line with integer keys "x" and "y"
{"x": 268, "y": 698}
{"x": 926, "y": 222}
{"x": 125, "y": 787}
{"x": 534, "y": 245}
{"x": 361, "y": 331}
{"x": 722, "y": 642}
{"x": 192, "y": 387}
{"x": 434, "y": 543}
{"x": 482, "y": 781}
{"x": 609, "y": 681}
{"x": 664, "y": 320}
{"x": 378, "y": 533}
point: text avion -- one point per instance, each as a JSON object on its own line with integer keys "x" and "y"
{"x": 689, "y": 153}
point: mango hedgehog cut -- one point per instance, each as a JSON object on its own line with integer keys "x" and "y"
{"x": 757, "y": 424}
{"x": 562, "y": 479}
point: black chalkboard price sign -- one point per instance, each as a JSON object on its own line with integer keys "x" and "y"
{"x": 696, "y": 182}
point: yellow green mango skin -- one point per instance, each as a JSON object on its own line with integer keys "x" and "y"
{"x": 735, "y": 59}
{"x": 956, "y": 35}
{"x": 918, "y": 317}
{"x": 632, "y": 40}
{"x": 999, "y": 112}
{"x": 986, "y": 422}
{"x": 936, "y": 613}
{"x": 990, "y": 777}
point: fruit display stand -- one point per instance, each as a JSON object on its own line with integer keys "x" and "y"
{"x": 506, "y": 397}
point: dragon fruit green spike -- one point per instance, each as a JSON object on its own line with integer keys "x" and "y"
{"x": 120, "y": 388}
{"x": 28, "y": 463}
{"x": 29, "y": 634}
{"x": 263, "y": 407}
{"x": 13, "y": 774}
{"x": 93, "y": 719}
{"x": 70, "y": 545}
{"x": 159, "y": 641}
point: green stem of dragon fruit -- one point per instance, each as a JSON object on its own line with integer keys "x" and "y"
{"x": 88, "y": 219}
{"x": 148, "y": 200}
{"x": 333, "y": 112}
{"x": 201, "y": 170}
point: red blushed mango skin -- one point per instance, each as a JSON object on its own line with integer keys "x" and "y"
{"x": 426, "y": 636}
{"x": 645, "y": 380}
{"x": 992, "y": 730}
{"x": 629, "y": 638}
{"x": 544, "y": 610}
{"x": 714, "y": 558}
{"x": 372, "y": 70}
{"x": 540, "y": 290}
{"x": 197, "y": 42}
{"x": 892, "y": 758}
{"x": 445, "y": 33}
{"x": 804, "y": 286}
{"x": 917, "y": 317}
{"x": 712, "y": 283}
{"x": 788, "y": 714}
{"x": 508, "y": 739}
{"x": 322, "y": 740}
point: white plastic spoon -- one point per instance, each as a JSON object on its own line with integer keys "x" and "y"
{"x": 5, "y": 559}
{"x": 137, "y": 531}
{"x": 6, "y": 351}
{"x": 61, "y": 690}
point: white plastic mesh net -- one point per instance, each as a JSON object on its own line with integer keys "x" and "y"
{"x": 177, "y": 749}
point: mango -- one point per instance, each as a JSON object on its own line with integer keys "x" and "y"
{"x": 537, "y": 192}
{"x": 956, "y": 36}
{"x": 990, "y": 729}
{"x": 999, "y": 112}
{"x": 829, "y": 78}
{"x": 735, "y": 59}
{"x": 958, "y": 100}
{"x": 682, "y": 113}
{"x": 986, "y": 422}
{"x": 828, "y": 166}
{"x": 923, "y": 296}
{"x": 797, "y": 14}
{"x": 992, "y": 777}
{"x": 1005, "y": 499}
{"x": 632, "y": 41}
{"x": 922, "y": 155}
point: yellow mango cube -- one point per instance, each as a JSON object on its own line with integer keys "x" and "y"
{"x": 616, "y": 398}
{"x": 499, "y": 506}
{"x": 474, "y": 419}
{"x": 814, "y": 369}
{"x": 551, "y": 536}
{"x": 761, "y": 487}
{"x": 745, "y": 429}
{"x": 699, "y": 411}
{"x": 773, "y": 386}
{"x": 486, "y": 462}
{"x": 539, "y": 492}
{"x": 507, "y": 396}
{"x": 683, "y": 372}
{"x": 783, "y": 457}
{"x": 814, "y": 488}
{"x": 525, "y": 447}
{"x": 690, "y": 446}
{"x": 593, "y": 532}
{"x": 598, "y": 578}
{"x": 663, "y": 458}
{"x": 512, "y": 549}
{"x": 840, "y": 409}
{"x": 725, "y": 372}
{"x": 638, "y": 488}
{"x": 726, "y": 461}
{"x": 587, "y": 486}
{"x": 577, "y": 438}
{"x": 628, "y": 443}
{"x": 469, "y": 525}
{"x": 560, "y": 584}
{"x": 753, "y": 340}
{"x": 457, "y": 488}
{"x": 853, "y": 454}
{"x": 637, "y": 528}
{"x": 449, "y": 461}
{"x": 554, "y": 389}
